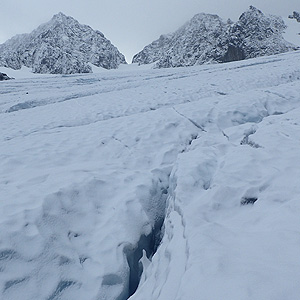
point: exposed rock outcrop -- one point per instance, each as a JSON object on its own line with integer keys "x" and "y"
{"x": 3, "y": 76}
{"x": 296, "y": 16}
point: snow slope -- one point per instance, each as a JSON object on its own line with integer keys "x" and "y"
{"x": 187, "y": 178}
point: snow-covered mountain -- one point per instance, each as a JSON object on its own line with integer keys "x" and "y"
{"x": 198, "y": 41}
{"x": 169, "y": 184}
{"x": 61, "y": 46}
{"x": 206, "y": 39}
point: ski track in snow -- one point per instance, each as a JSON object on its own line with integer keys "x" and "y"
{"x": 91, "y": 163}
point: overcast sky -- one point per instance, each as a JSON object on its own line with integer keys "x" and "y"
{"x": 129, "y": 24}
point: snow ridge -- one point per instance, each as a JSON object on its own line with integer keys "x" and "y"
{"x": 60, "y": 46}
{"x": 207, "y": 38}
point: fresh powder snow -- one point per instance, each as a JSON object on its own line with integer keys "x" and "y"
{"x": 170, "y": 184}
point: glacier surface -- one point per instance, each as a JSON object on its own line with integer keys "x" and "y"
{"x": 152, "y": 184}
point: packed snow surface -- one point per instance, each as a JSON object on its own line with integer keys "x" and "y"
{"x": 182, "y": 183}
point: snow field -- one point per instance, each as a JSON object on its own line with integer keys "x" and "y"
{"x": 92, "y": 163}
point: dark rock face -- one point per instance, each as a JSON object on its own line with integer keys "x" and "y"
{"x": 257, "y": 34}
{"x": 207, "y": 39}
{"x": 234, "y": 53}
{"x": 3, "y": 76}
{"x": 248, "y": 200}
{"x": 296, "y": 16}
{"x": 61, "y": 46}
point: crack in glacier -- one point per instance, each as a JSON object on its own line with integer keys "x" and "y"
{"x": 147, "y": 244}
{"x": 190, "y": 120}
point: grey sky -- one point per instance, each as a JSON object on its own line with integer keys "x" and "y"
{"x": 129, "y": 24}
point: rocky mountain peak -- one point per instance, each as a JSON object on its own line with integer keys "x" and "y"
{"x": 207, "y": 38}
{"x": 295, "y": 15}
{"x": 61, "y": 17}
{"x": 193, "y": 43}
{"x": 61, "y": 46}
{"x": 252, "y": 11}
{"x": 255, "y": 19}
{"x": 201, "y": 18}
{"x": 202, "y": 23}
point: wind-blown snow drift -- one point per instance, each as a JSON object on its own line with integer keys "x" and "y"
{"x": 92, "y": 164}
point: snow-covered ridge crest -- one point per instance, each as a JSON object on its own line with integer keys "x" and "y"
{"x": 207, "y": 38}
{"x": 60, "y": 46}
